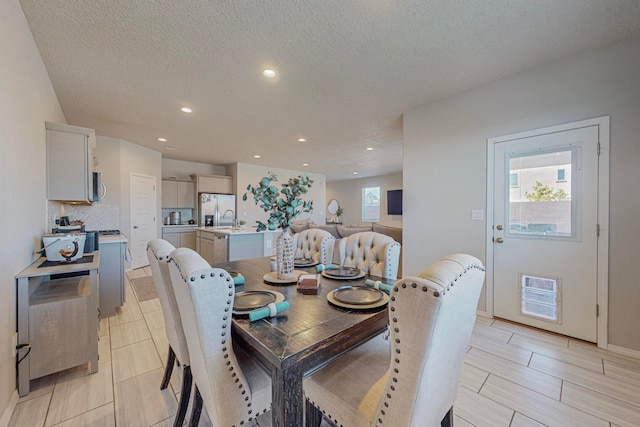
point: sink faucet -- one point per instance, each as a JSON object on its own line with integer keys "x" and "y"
{"x": 224, "y": 215}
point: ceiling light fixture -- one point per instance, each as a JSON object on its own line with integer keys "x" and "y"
{"x": 162, "y": 139}
{"x": 171, "y": 147}
{"x": 302, "y": 140}
{"x": 369, "y": 148}
{"x": 355, "y": 173}
{"x": 305, "y": 164}
{"x": 186, "y": 110}
{"x": 269, "y": 73}
{"x": 257, "y": 156}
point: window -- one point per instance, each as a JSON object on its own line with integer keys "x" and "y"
{"x": 513, "y": 179}
{"x": 562, "y": 175}
{"x": 371, "y": 204}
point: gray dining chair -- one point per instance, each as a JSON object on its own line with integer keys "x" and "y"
{"x": 314, "y": 244}
{"x": 374, "y": 253}
{"x": 158, "y": 252}
{"x": 411, "y": 380}
{"x": 233, "y": 387}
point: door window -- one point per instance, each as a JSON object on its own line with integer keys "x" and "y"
{"x": 541, "y": 204}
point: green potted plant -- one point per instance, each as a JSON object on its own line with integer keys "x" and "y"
{"x": 283, "y": 206}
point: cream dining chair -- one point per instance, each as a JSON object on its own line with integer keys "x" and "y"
{"x": 235, "y": 390}
{"x": 315, "y": 244}
{"x": 371, "y": 252}
{"x": 411, "y": 380}
{"x": 158, "y": 252}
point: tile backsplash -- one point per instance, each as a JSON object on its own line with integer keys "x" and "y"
{"x": 95, "y": 217}
{"x": 185, "y": 214}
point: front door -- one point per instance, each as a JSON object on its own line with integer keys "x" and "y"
{"x": 545, "y": 231}
{"x": 143, "y": 217}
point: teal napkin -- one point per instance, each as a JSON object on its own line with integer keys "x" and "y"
{"x": 238, "y": 280}
{"x": 378, "y": 285}
{"x": 322, "y": 267}
{"x": 261, "y": 313}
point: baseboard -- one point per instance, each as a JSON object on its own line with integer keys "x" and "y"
{"x": 624, "y": 351}
{"x": 483, "y": 314}
{"x": 8, "y": 411}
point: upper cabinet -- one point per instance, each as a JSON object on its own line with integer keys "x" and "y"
{"x": 178, "y": 194}
{"x": 70, "y": 163}
{"x": 214, "y": 184}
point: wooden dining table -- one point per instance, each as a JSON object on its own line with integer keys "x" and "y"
{"x": 298, "y": 341}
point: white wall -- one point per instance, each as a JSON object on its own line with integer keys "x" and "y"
{"x": 181, "y": 169}
{"x": 348, "y": 193}
{"x": 145, "y": 161}
{"x": 27, "y": 100}
{"x": 445, "y": 162}
{"x": 245, "y": 174}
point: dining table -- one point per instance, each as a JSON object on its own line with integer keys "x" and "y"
{"x": 308, "y": 335}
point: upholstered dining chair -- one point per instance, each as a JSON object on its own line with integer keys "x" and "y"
{"x": 411, "y": 380}
{"x": 235, "y": 390}
{"x": 371, "y": 252}
{"x": 315, "y": 244}
{"x": 158, "y": 252}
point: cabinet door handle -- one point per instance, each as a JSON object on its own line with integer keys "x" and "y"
{"x": 135, "y": 227}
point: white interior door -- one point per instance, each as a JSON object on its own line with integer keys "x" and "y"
{"x": 143, "y": 204}
{"x": 545, "y": 231}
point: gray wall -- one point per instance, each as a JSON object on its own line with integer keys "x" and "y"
{"x": 348, "y": 193}
{"x": 27, "y": 100}
{"x": 445, "y": 162}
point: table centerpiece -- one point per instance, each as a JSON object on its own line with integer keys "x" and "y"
{"x": 283, "y": 206}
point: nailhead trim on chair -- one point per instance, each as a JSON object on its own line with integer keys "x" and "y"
{"x": 225, "y": 349}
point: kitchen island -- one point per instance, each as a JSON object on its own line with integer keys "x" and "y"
{"x": 224, "y": 244}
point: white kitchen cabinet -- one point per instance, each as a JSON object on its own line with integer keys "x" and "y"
{"x": 178, "y": 194}
{"x": 70, "y": 163}
{"x": 215, "y": 184}
{"x": 180, "y": 237}
{"x": 112, "y": 288}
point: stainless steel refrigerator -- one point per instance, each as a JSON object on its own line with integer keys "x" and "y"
{"x": 216, "y": 209}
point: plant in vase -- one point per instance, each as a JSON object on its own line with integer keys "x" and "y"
{"x": 283, "y": 206}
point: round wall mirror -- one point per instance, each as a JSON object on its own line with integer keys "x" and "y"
{"x": 333, "y": 206}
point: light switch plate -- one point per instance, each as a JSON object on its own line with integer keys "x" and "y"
{"x": 477, "y": 215}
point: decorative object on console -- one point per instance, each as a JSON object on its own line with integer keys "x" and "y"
{"x": 282, "y": 211}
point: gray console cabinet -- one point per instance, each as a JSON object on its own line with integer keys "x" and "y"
{"x": 112, "y": 288}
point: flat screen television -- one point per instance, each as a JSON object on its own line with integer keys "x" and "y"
{"x": 394, "y": 202}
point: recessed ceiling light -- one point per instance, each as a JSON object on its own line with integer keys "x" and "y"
{"x": 355, "y": 173}
{"x": 171, "y": 147}
{"x": 302, "y": 140}
{"x": 186, "y": 110}
{"x": 257, "y": 156}
{"x": 305, "y": 164}
{"x": 162, "y": 139}
{"x": 369, "y": 148}
{"x": 269, "y": 73}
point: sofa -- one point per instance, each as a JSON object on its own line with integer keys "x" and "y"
{"x": 339, "y": 231}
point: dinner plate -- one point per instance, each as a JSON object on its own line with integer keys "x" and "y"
{"x": 304, "y": 262}
{"x": 343, "y": 273}
{"x": 357, "y": 297}
{"x": 246, "y": 301}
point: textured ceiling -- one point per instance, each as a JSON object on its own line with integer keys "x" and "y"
{"x": 347, "y": 70}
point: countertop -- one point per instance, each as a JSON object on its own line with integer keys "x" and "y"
{"x": 231, "y": 231}
{"x": 178, "y": 226}
{"x": 112, "y": 238}
{"x": 34, "y": 271}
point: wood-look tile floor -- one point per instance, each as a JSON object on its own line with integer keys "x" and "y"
{"x": 513, "y": 376}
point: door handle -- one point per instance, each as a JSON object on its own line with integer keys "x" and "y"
{"x": 135, "y": 227}
{"x": 498, "y": 240}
